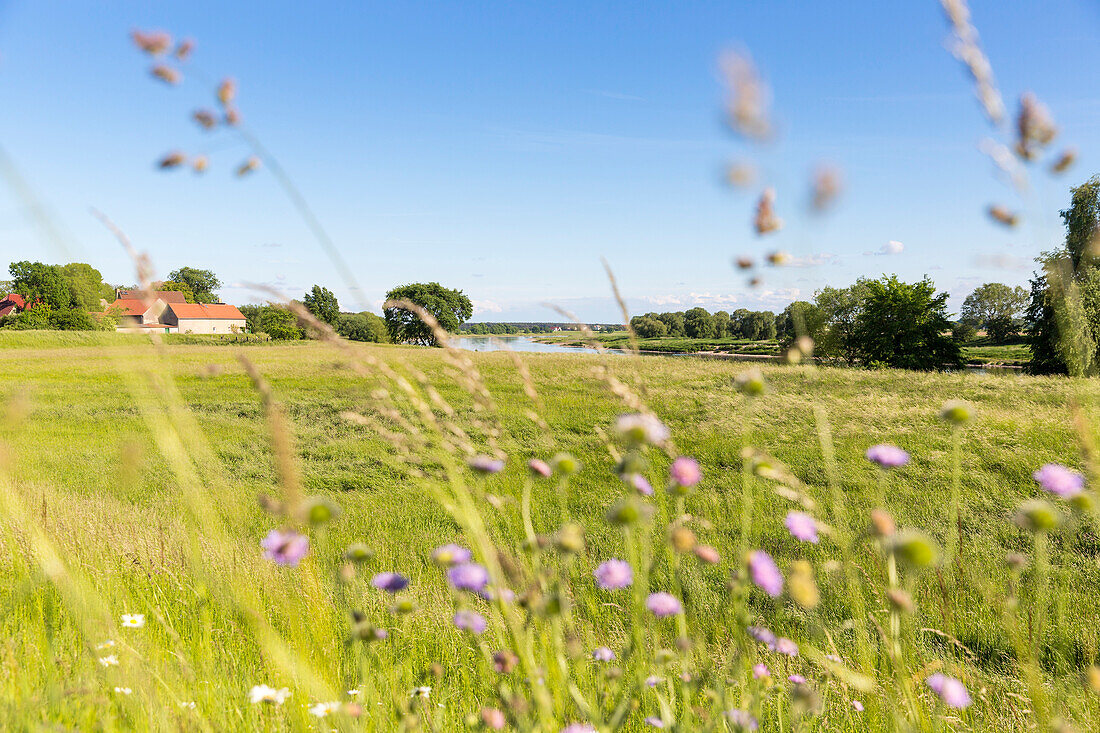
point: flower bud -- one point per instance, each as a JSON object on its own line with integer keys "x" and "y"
{"x": 320, "y": 511}
{"x": 915, "y": 549}
{"x": 900, "y": 600}
{"x": 707, "y": 554}
{"x": 632, "y": 462}
{"x": 801, "y": 586}
{"x": 1082, "y": 502}
{"x": 570, "y": 538}
{"x": 955, "y": 412}
{"x": 1037, "y": 515}
{"x": 628, "y": 511}
{"x": 358, "y": 553}
{"x": 565, "y": 464}
{"x": 1016, "y": 561}
{"x": 402, "y": 607}
{"x": 750, "y": 383}
{"x": 882, "y": 524}
{"x": 682, "y": 539}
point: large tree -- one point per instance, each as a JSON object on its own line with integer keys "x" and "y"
{"x": 203, "y": 283}
{"x": 322, "y": 304}
{"x": 86, "y": 286}
{"x": 699, "y": 324}
{"x": 800, "y": 318}
{"x": 840, "y": 307}
{"x": 905, "y": 325}
{"x": 995, "y": 307}
{"x": 43, "y": 283}
{"x": 365, "y": 326}
{"x": 451, "y": 308}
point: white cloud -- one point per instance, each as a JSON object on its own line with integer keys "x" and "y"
{"x": 893, "y": 247}
{"x": 711, "y": 301}
{"x": 486, "y": 306}
{"x": 813, "y": 260}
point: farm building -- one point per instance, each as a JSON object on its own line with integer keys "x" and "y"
{"x": 170, "y": 313}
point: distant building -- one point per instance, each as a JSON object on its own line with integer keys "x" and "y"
{"x": 11, "y": 304}
{"x": 171, "y": 313}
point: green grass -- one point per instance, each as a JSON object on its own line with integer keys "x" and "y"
{"x": 672, "y": 344}
{"x": 151, "y": 506}
{"x": 1007, "y": 354}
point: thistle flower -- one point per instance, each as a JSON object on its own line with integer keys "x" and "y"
{"x": 887, "y": 456}
{"x": 614, "y": 574}
{"x": 797, "y": 679}
{"x": 109, "y": 661}
{"x": 663, "y": 604}
{"x": 654, "y": 722}
{"x": 857, "y": 706}
{"x": 762, "y": 635}
{"x": 603, "y": 654}
{"x": 765, "y": 574}
{"x": 468, "y": 576}
{"x": 760, "y": 671}
{"x": 640, "y": 483}
{"x": 322, "y": 709}
{"x": 539, "y": 467}
{"x": 285, "y": 547}
{"x": 1059, "y": 480}
{"x": 684, "y": 472}
{"x": 707, "y": 554}
{"x": 578, "y": 728}
{"x": 470, "y": 621}
{"x": 451, "y": 554}
{"x": 232, "y": 117}
{"x": 166, "y": 74}
{"x": 504, "y": 661}
{"x": 486, "y": 464}
{"x": 952, "y": 692}
{"x": 565, "y": 464}
{"x": 1064, "y": 161}
{"x": 641, "y": 429}
{"x": 801, "y": 526}
{"x": 200, "y": 164}
{"x": 742, "y": 720}
{"x": 133, "y": 620}
{"x": 227, "y": 90}
{"x": 682, "y": 539}
{"x": 390, "y": 582}
{"x": 783, "y": 645}
{"x": 266, "y": 693}
{"x": 184, "y": 49}
{"x": 493, "y": 718}
{"x": 765, "y": 220}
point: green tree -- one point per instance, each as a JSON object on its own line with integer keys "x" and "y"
{"x": 905, "y": 325}
{"x": 365, "y": 326}
{"x": 674, "y": 323}
{"x": 86, "y": 286}
{"x": 648, "y": 327}
{"x": 840, "y": 308}
{"x": 203, "y": 283}
{"x": 699, "y": 324}
{"x": 997, "y": 308}
{"x": 322, "y": 304}
{"x": 800, "y": 318}
{"x": 36, "y": 281}
{"x": 451, "y": 308}
{"x": 759, "y": 326}
{"x": 721, "y": 324}
{"x": 180, "y": 287}
{"x": 737, "y": 322}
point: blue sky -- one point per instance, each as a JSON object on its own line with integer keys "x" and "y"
{"x": 503, "y": 148}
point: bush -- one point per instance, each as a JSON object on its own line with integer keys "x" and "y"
{"x": 363, "y": 326}
{"x": 964, "y": 332}
{"x": 903, "y": 325}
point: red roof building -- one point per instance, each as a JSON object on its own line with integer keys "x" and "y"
{"x": 12, "y": 303}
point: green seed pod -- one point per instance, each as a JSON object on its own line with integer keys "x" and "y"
{"x": 955, "y": 412}
{"x": 750, "y": 383}
{"x": 319, "y": 510}
{"x": 1037, "y": 515}
{"x": 915, "y": 549}
{"x": 628, "y": 511}
{"x": 565, "y": 464}
{"x": 1082, "y": 502}
{"x": 402, "y": 607}
{"x": 358, "y": 553}
{"x": 632, "y": 462}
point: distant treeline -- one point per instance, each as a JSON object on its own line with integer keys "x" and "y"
{"x": 698, "y": 323}
{"x": 532, "y": 327}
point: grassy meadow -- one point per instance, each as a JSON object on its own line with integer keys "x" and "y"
{"x": 130, "y": 479}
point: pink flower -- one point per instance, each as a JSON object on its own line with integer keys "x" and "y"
{"x": 887, "y": 456}
{"x": 797, "y": 679}
{"x": 950, "y": 690}
{"x": 539, "y": 467}
{"x": 760, "y": 670}
{"x": 765, "y": 573}
{"x": 1059, "y": 480}
{"x": 802, "y": 526}
{"x": 663, "y": 604}
{"x": 470, "y": 621}
{"x": 783, "y": 645}
{"x": 685, "y": 472}
{"x": 285, "y": 548}
{"x": 614, "y": 575}
{"x": 857, "y": 706}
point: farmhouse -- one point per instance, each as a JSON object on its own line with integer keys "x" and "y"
{"x": 171, "y": 313}
{"x": 12, "y": 303}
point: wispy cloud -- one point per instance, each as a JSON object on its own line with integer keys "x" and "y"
{"x": 481, "y": 307}
{"x": 814, "y": 260}
{"x": 893, "y": 247}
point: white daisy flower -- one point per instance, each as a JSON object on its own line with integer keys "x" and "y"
{"x": 105, "y": 645}
{"x": 265, "y": 693}
{"x": 422, "y": 692}
{"x": 353, "y": 692}
{"x": 322, "y": 709}
{"x": 109, "y": 661}
{"x": 123, "y": 690}
{"x": 188, "y": 705}
{"x": 133, "y": 620}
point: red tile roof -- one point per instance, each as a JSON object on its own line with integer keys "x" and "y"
{"x": 130, "y": 306}
{"x": 219, "y": 311}
{"x": 168, "y": 296}
{"x": 17, "y": 299}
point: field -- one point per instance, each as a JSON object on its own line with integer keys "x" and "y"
{"x": 130, "y": 483}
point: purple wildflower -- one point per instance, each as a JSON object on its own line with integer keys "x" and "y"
{"x": 801, "y": 526}
{"x": 603, "y": 654}
{"x": 391, "y": 582}
{"x": 490, "y": 594}
{"x": 685, "y": 472}
{"x": 578, "y": 728}
{"x": 857, "y": 706}
{"x": 663, "y": 604}
{"x": 655, "y": 722}
{"x": 950, "y": 690}
{"x": 641, "y": 429}
{"x": 614, "y": 574}
{"x": 765, "y": 574}
{"x": 285, "y": 548}
{"x": 797, "y": 679}
{"x": 742, "y": 719}
{"x": 887, "y": 456}
{"x": 451, "y": 554}
{"x": 760, "y": 670}
{"x": 468, "y": 576}
{"x": 470, "y": 621}
{"x": 763, "y": 635}
{"x": 1059, "y": 480}
{"x": 640, "y": 483}
{"x": 652, "y": 680}
{"x": 486, "y": 464}
{"x": 783, "y": 645}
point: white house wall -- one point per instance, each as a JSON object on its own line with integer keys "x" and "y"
{"x": 210, "y": 325}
